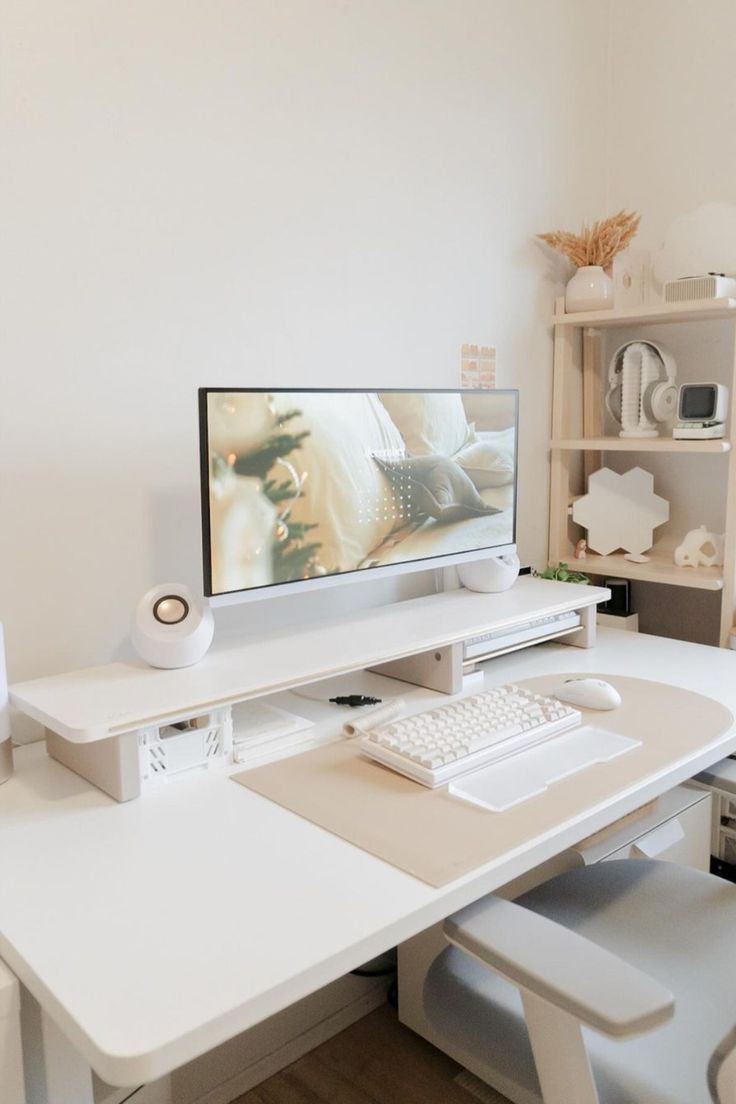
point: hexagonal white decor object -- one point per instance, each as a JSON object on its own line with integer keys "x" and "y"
{"x": 620, "y": 511}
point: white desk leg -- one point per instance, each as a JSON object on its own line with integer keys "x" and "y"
{"x": 12, "y": 1081}
{"x": 57, "y": 1074}
{"x": 68, "y": 1076}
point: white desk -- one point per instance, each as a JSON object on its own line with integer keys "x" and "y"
{"x": 154, "y": 930}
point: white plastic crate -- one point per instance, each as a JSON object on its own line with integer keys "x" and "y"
{"x": 194, "y": 742}
{"x": 131, "y": 764}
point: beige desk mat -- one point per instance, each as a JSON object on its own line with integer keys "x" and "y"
{"x": 437, "y": 838}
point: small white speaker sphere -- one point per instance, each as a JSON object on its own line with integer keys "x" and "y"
{"x": 171, "y": 627}
{"x": 490, "y": 575}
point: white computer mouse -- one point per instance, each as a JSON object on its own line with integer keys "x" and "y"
{"x": 588, "y": 693}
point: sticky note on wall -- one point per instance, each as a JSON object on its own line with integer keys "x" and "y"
{"x": 478, "y": 366}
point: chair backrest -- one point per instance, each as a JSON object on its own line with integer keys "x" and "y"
{"x": 722, "y": 1070}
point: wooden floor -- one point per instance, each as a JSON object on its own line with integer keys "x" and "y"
{"x": 376, "y": 1061}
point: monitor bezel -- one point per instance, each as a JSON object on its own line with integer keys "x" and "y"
{"x": 363, "y": 574}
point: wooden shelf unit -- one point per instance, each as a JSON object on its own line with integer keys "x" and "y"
{"x": 660, "y": 569}
{"x": 711, "y": 310}
{"x": 640, "y": 444}
{"x": 578, "y": 447}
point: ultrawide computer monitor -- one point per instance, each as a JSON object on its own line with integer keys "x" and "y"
{"x": 307, "y": 488}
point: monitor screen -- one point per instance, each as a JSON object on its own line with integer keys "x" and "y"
{"x": 311, "y": 487}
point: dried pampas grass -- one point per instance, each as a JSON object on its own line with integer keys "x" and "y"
{"x": 599, "y": 244}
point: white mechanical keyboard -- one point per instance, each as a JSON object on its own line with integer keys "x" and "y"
{"x": 464, "y": 735}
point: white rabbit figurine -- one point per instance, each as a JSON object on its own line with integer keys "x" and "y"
{"x": 692, "y": 551}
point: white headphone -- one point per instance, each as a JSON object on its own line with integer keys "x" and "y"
{"x": 659, "y": 398}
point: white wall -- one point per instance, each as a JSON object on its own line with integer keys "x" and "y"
{"x": 672, "y": 118}
{"x": 672, "y": 156}
{"x": 300, "y": 192}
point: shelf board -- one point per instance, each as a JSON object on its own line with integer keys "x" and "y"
{"x": 120, "y": 697}
{"x": 707, "y": 310}
{"x": 660, "y": 569}
{"x": 639, "y": 444}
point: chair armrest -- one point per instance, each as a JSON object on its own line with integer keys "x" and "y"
{"x": 561, "y": 967}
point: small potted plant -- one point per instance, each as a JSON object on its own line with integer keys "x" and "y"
{"x": 593, "y": 251}
{"x": 563, "y": 574}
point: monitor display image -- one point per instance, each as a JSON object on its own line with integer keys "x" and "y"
{"x": 303, "y": 486}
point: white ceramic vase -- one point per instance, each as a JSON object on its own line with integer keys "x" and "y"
{"x": 589, "y": 289}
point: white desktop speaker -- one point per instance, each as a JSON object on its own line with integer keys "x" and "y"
{"x": 491, "y": 575}
{"x": 6, "y": 749}
{"x": 171, "y": 627}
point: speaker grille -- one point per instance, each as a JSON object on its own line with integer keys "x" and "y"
{"x": 698, "y": 287}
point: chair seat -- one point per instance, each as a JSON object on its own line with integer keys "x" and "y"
{"x": 676, "y": 924}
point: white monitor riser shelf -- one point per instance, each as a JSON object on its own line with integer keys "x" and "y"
{"x": 96, "y": 717}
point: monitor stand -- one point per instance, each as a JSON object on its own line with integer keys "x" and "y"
{"x": 440, "y": 669}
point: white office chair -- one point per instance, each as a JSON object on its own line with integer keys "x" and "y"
{"x": 612, "y": 984}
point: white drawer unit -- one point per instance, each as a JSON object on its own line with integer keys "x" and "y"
{"x": 676, "y": 829}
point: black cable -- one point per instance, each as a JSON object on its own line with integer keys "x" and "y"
{"x": 355, "y": 700}
{"x": 360, "y": 972}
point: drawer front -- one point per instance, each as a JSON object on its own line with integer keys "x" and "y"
{"x": 683, "y": 839}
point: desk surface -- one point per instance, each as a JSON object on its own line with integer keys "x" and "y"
{"x": 155, "y": 930}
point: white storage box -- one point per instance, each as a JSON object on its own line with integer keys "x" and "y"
{"x": 168, "y": 749}
{"x": 127, "y": 766}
